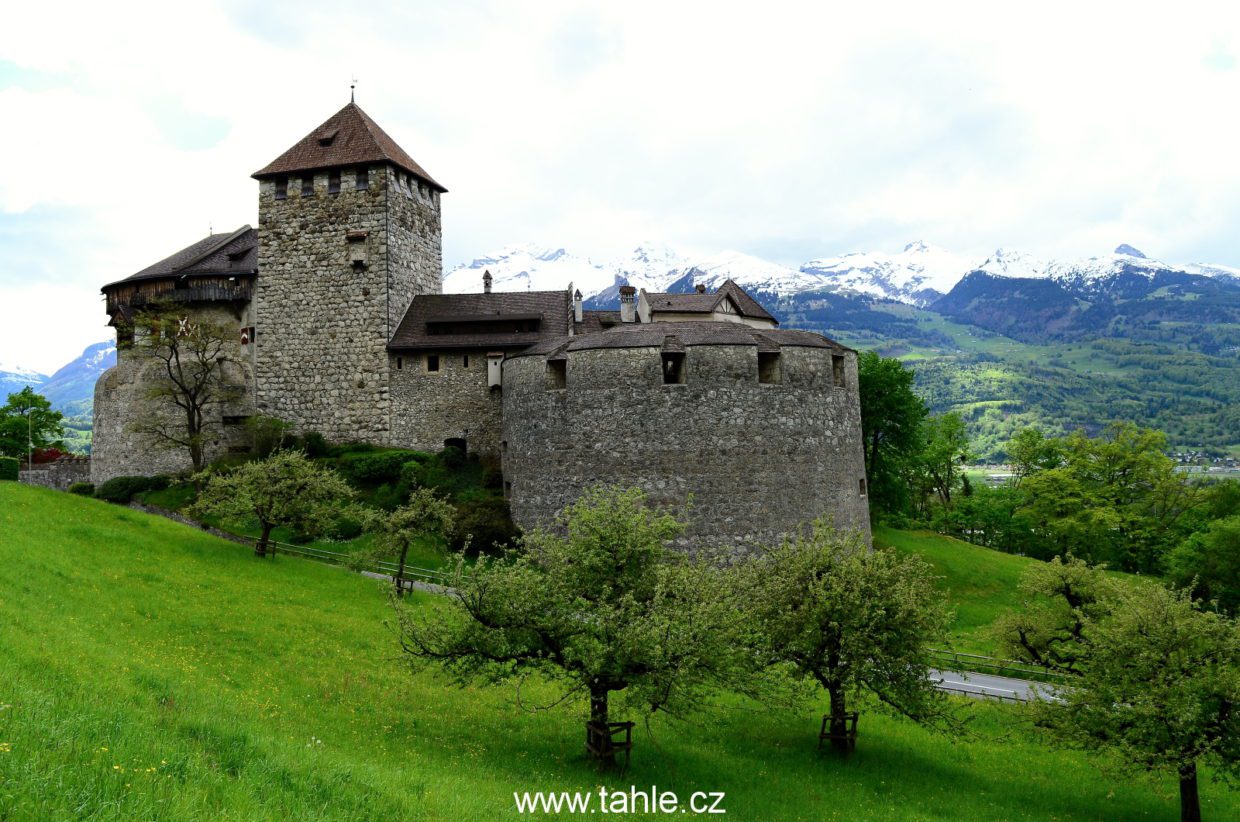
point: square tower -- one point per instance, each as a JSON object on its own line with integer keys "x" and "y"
{"x": 349, "y": 233}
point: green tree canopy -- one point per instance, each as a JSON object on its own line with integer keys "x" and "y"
{"x": 1208, "y": 563}
{"x": 831, "y": 611}
{"x": 1159, "y": 690}
{"x": 598, "y": 605}
{"x": 891, "y": 419}
{"x": 287, "y": 488}
{"x": 26, "y": 418}
{"x": 1115, "y": 499}
{"x": 424, "y": 517}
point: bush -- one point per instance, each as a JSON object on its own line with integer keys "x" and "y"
{"x": 346, "y": 528}
{"x": 9, "y": 468}
{"x": 315, "y": 445}
{"x": 121, "y": 490}
{"x": 487, "y": 522}
{"x": 376, "y": 467}
{"x": 85, "y": 489}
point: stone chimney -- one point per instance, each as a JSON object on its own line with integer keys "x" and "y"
{"x": 700, "y": 288}
{"x": 577, "y": 309}
{"x": 486, "y": 281}
{"x": 628, "y": 304}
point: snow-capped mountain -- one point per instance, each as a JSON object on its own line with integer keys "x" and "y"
{"x": 919, "y": 274}
{"x": 72, "y": 388}
{"x": 14, "y": 378}
{"x": 529, "y": 267}
{"x": 749, "y": 272}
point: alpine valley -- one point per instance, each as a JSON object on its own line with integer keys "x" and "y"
{"x": 1007, "y": 340}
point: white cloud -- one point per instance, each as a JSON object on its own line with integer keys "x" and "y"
{"x": 787, "y": 129}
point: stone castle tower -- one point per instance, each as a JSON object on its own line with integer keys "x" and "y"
{"x": 349, "y": 233}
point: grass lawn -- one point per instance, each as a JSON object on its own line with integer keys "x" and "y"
{"x": 980, "y": 583}
{"x": 150, "y": 671}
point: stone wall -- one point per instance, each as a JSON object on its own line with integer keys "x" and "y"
{"x": 430, "y": 407}
{"x": 758, "y": 460}
{"x": 59, "y": 474}
{"x": 122, "y": 401}
{"x": 323, "y": 322}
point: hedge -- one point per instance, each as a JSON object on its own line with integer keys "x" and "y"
{"x": 121, "y": 490}
{"x": 8, "y": 468}
{"x": 85, "y": 489}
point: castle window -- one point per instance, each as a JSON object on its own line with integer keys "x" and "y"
{"x": 362, "y": 179}
{"x": 247, "y": 335}
{"x": 837, "y": 369}
{"x": 861, "y": 486}
{"x": 282, "y": 188}
{"x": 768, "y": 368}
{"x": 465, "y": 361}
{"x": 557, "y": 374}
{"x": 422, "y": 189}
{"x": 235, "y": 420}
{"x": 307, "y": 186}
{"x": 432, "y": 363}
{"x": 673, "y": 368}
{"x": 400, "y": 363}
{"x": 333, "y": 182}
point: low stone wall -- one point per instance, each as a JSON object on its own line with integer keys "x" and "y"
{"x": 59, "y": 474}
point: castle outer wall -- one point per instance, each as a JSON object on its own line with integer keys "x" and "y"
{"x": 123, "y": 404}
{"x": 454, "y": 402}
{"x": 757, "y": 460}
{"x": 338, "y": 272}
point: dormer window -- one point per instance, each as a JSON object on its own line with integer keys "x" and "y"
{"x": 333, "y": 182}
{"x": 281, "y": 188}
{"x": 328, "y": 137}
{"x": 362, "y": 179}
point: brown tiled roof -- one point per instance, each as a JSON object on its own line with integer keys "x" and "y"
{"x": 554, "y": 308}
{"x": 695, "y": 303}
{"x": 235, "y": 253}
{"x": 349, "y": 137}
{"x": 673, "y": 336}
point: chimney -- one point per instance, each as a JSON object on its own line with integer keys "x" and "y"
{"x": 577, "y": 306}
{"x": 486, "y": 281}
{"x": 628, "y": 304}
{"x": 700, "y": 288}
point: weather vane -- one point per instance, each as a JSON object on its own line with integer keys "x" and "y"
{"x": 352, "y": 86}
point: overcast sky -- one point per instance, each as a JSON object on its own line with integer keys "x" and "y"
{"x": 786, "y": 130}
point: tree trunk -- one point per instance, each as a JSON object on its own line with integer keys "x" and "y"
{"x": 1190, "y": 802}
{"x": 839, "y": 719}
{"x": 260, "y": 548}
{"x": 400, "y": 570}
{"x": 598, "y": 716}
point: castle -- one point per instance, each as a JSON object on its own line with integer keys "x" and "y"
{"x": 341, "y": 328}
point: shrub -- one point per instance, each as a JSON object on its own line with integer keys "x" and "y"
{"x": 376, "y": 467}
{"x": 85, "y": 489}
{"x": 9, "y": 468}
{"x": 389, "y": 497}
{"x": 315, "y": 445}
{"x": 487, "y": 522}
{"x": 346, "y": 528}
{"x": 121, "y": 490}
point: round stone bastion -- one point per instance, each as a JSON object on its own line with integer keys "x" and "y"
{"x": 756, "y": 430}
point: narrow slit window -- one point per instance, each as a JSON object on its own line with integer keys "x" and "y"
{"x": 861, "y": 486}
{"x": 307, "y": 186}
{"x": 465, "y": 361}
{"x": 362, "y": 179}
{"x": 432, "y": 363}
{"x": 837, "y": 369}
{"x": 768, "y": 368}
{"x": 673, "y": 368}
{"x": 282, "y": 188}
{"x": 333, "y": 182}
{"x": 557, "y": 374}
{"x": 400, "y": 363}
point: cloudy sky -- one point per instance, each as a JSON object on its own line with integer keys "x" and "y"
{"x": 786, "y": 130}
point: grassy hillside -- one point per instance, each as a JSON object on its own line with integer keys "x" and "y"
{"x": 148, "y": 671}
{"x": 980, "y": 583}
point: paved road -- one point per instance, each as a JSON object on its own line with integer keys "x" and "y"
{"x": 989, "y": 686}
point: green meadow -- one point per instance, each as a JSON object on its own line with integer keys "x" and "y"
{"x": 150, "y": 671}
